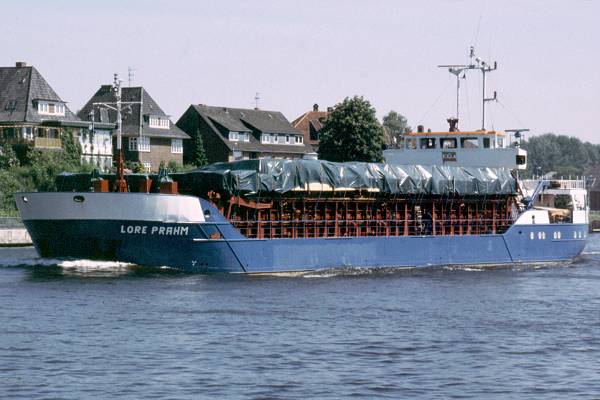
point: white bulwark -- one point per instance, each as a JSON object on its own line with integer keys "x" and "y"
{"x": 110, "y": 206}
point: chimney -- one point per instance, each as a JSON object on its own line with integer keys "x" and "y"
{"x": 20, "y": 64}
{"x": 315, "y": 107}
{"x": 420, "y": 128}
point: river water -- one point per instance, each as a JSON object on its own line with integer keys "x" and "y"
{"x": 87, "y": 330}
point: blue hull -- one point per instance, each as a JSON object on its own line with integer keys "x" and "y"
{"x": 217, "y": 247}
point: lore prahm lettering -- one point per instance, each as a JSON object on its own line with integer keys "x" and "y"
{"x": 154, "y": 230}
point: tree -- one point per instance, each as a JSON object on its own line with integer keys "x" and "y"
{"x": 8, "y": 158}
{"x": 561, "y": 154}
{"x": 352, "y": 133}
{"x": 395, "y": 125}
{"x": 198, "y": 157}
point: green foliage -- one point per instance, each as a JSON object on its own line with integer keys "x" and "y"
{"x": 8, "y": 157}
{"x": 71, "y": 148}
{"x": 352, "y": 133}
{"x": 38, "y": 170}
{"x": 395, "y": 125}
{"x": 562, "y": 154}
{"x": 10, "y": 183}
{"x": 198, "y": 157}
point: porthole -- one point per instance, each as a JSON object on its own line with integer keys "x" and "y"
{"x": 575, "y": 235}
{"x": 531, "y": 235}
{"x": 540, "y": 235}
{"x": 558, "y": 235}
{"x": 207, "y": 213}
{"x": 25, "y": 199}
{"x": 78, "y": 199}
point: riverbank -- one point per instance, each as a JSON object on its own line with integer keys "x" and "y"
{"x": 14, "y": 237}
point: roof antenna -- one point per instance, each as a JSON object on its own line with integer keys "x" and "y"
{"x": 256, "y": 99}
{"x": 484, "y": 67}
{"x": 130, "y": 75}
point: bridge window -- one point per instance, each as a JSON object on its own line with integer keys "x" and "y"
{"x": 411, "y": 144}
{"x": 448, "y": 143}
{"x": 428, "y": 143}
{"x": 469, "y": 143}
{"x": 486, "y": 143}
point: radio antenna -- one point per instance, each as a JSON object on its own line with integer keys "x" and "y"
{"x": 474, "y": 63}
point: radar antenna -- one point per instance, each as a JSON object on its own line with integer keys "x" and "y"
{"x": 474, "y": 63}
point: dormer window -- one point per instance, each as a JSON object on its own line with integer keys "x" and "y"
{"x": 50, "y": 108}
{"x": 299, "y": 139}
{"x": 239, "y": 136}
{"x": 159, "y": 122}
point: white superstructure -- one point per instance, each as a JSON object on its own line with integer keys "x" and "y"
{"x": 456, "y": 148}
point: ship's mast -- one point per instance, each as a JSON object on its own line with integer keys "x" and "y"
{"x": 474, "y": 63}
{"x": 117, "y": 105}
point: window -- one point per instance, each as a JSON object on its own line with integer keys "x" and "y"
{"x": 411, "y": 144}
{"x": 486, "y": 143}
{"x": 160, "y": 122}
{"x": 299, "y": 139}
{"x": 139, "y": 143}
{"x": 428, "y": 143}
{"x": 147, "y": 166}
{"x": 280, "y": 139}
{"x": 448, "y": 143}
{"x": 500, "y": 142}
{"x": 237, "y": 155}
{"x": 287, "y": 139}
{"x": 27, "y": 133}
{"x": 49, "y": 108}
{"x": 176, "y": 146}
{"x": 133, "y": 144}
{"x": 264, "y": 138}
{"x": 234, "y": 136}
{"x": 144, "y": 144}
{"x": 469, "y": 143}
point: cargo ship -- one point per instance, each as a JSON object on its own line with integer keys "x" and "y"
{"x": 281, "y": 216}
{"x": 442, "y": 198}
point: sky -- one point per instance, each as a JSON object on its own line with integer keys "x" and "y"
{"x": 297, "y": 53}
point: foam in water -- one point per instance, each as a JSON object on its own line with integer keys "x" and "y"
{"x": 72, "y": 267}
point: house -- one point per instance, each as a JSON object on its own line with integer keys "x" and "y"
{"x": 31, "y": 113}
{"x": 232, "y": 134}
{"x": 310, "y": 124}
{"x": 149, "y": 136}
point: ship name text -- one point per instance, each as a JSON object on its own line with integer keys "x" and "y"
{"x": 154, "y": 230}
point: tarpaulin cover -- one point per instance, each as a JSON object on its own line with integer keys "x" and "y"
{"x": 273, "y": 176}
